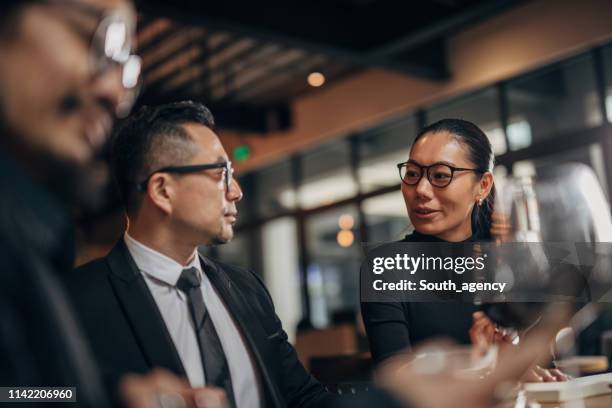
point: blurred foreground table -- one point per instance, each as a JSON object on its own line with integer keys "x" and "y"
{"x": 599, "y": 401}
{"x": 592, "y": 402}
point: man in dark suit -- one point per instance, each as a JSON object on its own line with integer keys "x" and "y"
{"x": 155, "y": 301}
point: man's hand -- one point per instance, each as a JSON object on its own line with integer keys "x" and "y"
{"x": 485, "y": 333}
{"x": 162, "y": 389}
{"x": 539, "y": 374}
{"x": 437, "y": 386}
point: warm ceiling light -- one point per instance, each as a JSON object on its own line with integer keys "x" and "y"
{"x": 345, "y": 238}
{"x": 316, "y": 79}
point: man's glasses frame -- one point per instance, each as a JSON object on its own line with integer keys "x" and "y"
{"x": 431, "y": 175}
{"x": 111, "y": 44}
{"x": 228, "y": 174}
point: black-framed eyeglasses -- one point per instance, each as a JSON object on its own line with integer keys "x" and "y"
{"x": 228, "y": 174}
{"x": 439, "y": 174}
{"x": 111, "y": 44}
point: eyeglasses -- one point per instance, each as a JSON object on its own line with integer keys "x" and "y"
{"x": 439, "y": 174}
{"x": 111, "y": 45}
{"x": 228, "y": 174}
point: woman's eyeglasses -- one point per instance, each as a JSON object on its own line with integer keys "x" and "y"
{"x": 439, "y": 174}
{"x": 228, "y": 174}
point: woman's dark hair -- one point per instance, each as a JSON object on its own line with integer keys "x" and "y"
{"x": 480, "y": 153}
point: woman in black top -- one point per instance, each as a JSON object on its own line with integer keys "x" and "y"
{"x": 448, "y": 188}
{"x": 449, "y": 192}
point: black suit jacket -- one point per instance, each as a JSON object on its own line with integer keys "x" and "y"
{"x": 127, "y": 332}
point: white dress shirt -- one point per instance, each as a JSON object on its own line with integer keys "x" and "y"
{"x": 161, "y": 274}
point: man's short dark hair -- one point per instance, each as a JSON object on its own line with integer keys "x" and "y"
{"x": 153, "y": 138}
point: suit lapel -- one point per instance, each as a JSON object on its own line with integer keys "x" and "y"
{"x": 250, "y": 327}
{"x": 141, "y": 311}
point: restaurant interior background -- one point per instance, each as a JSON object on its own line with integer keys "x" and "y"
{"x": 317, "y": 101}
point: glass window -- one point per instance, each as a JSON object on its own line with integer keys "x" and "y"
{"x": 274, "y": 190}
{"x": 386, "y": 217}
{"x": 326, "y": 175}
{"x": 244, "y": 206}
{"x": 381, "y": 149}
{"x": 519, "y": 133}
{"x": 553, "y": 101}
{"x": 281, "y": 270}
{"x": 591, "y": 155}
{"x": 334, "y": 255}
{"x": 236, "y": 252}
{"x": 607, "y": 56}
{"x": 496, "y": 136}
{"x": 480, "y": 108}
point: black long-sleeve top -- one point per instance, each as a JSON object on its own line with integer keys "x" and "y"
{"x": 395, "y": 327}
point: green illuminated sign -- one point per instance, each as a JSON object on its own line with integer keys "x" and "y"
{"x": 242, "y": 153}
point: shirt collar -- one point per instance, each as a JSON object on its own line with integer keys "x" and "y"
{"x": 158, "y": 265}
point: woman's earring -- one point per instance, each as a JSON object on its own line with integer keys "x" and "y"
{"x": 480, "y": 202}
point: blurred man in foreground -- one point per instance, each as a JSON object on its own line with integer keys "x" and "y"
{"x": 63, "y": 78}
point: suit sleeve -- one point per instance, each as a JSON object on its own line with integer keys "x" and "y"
{"x": 299, "y": 388}
{"x": 387, "y": 328}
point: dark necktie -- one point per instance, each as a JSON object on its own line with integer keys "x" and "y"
{"x": 214, "y": 362}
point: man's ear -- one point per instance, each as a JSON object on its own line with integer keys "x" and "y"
{"x": 160, "y": 190}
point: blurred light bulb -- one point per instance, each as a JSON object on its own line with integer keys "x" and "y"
{"x": 345, "y": 238}
{"x": 346, "y": 221}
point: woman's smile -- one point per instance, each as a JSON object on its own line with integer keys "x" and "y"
{"x": 425, "y": 213}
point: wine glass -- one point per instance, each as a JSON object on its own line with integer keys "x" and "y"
{"x": 563, "y": 207}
